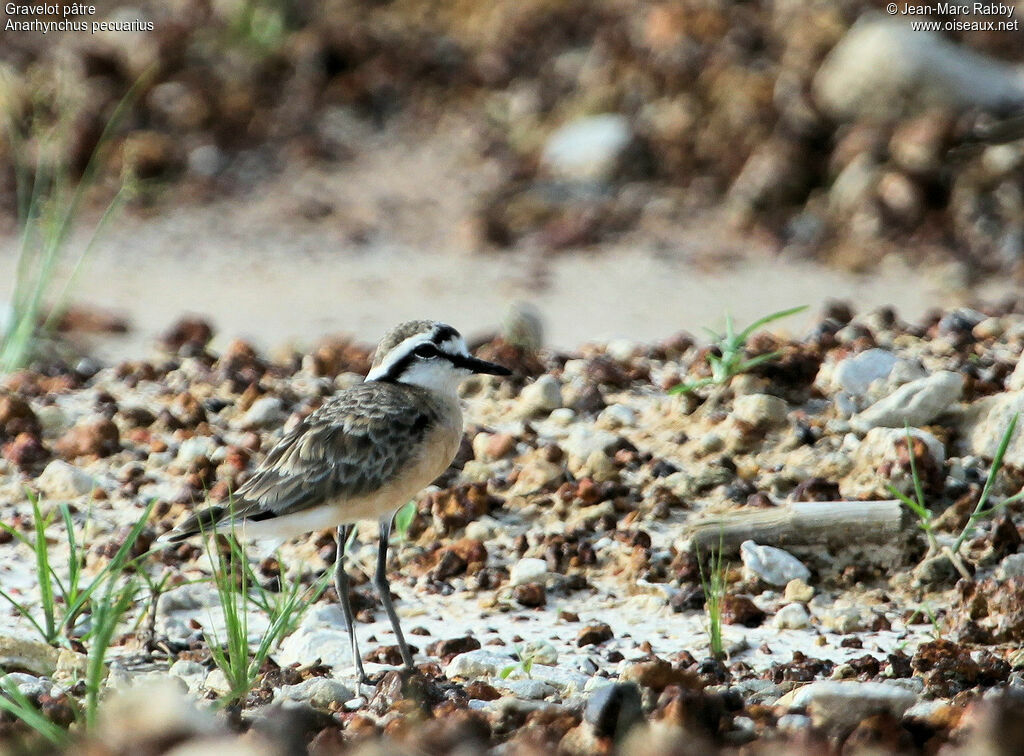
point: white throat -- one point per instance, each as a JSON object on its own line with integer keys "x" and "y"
{"x": 442, "y": 378}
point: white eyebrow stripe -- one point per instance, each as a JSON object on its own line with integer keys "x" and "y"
{"x": 397, "y": 354}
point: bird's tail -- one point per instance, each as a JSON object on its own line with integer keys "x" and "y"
{"x": 199, "y": 522}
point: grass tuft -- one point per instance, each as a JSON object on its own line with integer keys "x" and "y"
{"x": 732, "y": 346}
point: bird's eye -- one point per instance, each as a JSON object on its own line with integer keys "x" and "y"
{"x": 425, "y": 350}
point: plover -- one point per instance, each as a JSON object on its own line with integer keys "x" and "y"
{"x": 362, "y": 455}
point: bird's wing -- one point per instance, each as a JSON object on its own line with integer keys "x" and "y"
{"x": 350, "y": 447}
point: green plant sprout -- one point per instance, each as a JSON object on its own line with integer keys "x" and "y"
{"x": 64, "y": 600}
{"x": 917, "y": 505}
{"x": 525, "y": 663}
{"x": 715, "y": 586}
{"x": 404, "y": 519}
{"x": 733, "y": 360}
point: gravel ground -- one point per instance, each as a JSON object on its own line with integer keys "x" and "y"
{"x": 564, "y": 535}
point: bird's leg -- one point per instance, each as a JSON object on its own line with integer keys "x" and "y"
{"x": 380, "y": 581}
{"x": 344, "y": 595}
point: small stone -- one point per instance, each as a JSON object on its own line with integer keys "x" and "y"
{"x": 916, "y": 403}
{"x": 616, "y": 416}
{"x": 613, "y": 710}
{"x": 265, "y": 412}
{"x": 985, "y": 422}
{"x": 657, "y": 674}
{"x": 217, "y": 682}
{"x": 842, "y": 704}
{"x": 447, "y": 649}
{"x": 844, "y": 619}
{"x": 528, "y": 689}
{"x": 527, "y": 570}
{"x": 476, "y": 664}
{"x": 16, "y": 416}
{"x": 320, "y": 692}
{"x": 792, "y": 617}
{"x": 760, "y": 410}
{"x": 854, "y": 375}
{"x": 587, "y": 149}
{"x": 530, "y": 594}
{"x": 62, "y": 481}
{"x": 96, "y": 436}
{"x": 1012, "y": 566}
{"x": 540, "y": 397}
{"x": 798, "y": 590}
{"x": 593, "y": 634}
{"x": 772, "y": 565}
{"x": 582, "y": 441}
{"x": 741, "y": 610}
{"x": 32, "y": 656}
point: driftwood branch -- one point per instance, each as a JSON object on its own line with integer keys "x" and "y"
{"x": 803, "y": 523}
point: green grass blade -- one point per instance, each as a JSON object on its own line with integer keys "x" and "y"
{"x": 760, "y": 322}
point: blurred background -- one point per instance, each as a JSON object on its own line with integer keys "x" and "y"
{"x": 292, "y": 168}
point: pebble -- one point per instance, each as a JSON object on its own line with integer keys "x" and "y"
{"x": 854, "y": 375}
{"x": 916, "y": 403}
{"x": 320, "y": 692}
{"x": 594, "y": 634}
{"x": 265, "y": 412}
{"x": 843, "y": 619}
{"x": 541, "y": 396}
{"x": 587, "y": 149}
{"x": 616, "y": 416}
{"x": 760, "y": 410}
{"x": 984, "y": 424}
{"x": 331, "y": 647}
{"x": 792, "y": 617}
{"x": 217, "y": 682}
{"x": 582, "y": 441}
{"x": 772, "y": 565}
{"x": 844, "y": 703}
{"x": 798, "y": 590}
{"x": 526, "y": 689}
{"x": 1012, "y": 566}
{"x": 476, "y": 664}
{"x": 193, "y": 448}
{"x": 614, "y": 709}
{"x": 62, "y": 481}
{"x": 527, "y": 570}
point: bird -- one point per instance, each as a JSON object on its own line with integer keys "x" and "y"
{"x": 361, "y": 455}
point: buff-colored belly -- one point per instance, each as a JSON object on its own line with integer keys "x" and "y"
{"x": 439, "y": 449}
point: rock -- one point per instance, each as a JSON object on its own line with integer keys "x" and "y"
{"x": 475, "y": 664}
{"x": 193, "y": 448}
{"x": 883, "y": 69}
{"x": 588, "y": 149}
{"x": 583, "y": 440}
{"x": 1016, "y": 380}
{"x": 760, "y": 410}
{"x": 265, "y": 412}
{"x": 843, "y": 619}
{"x": 25, "y": 654}
{"x": 657, "y": 674}
{"x": 191, "y": 672}
{"x": 541, "y": 396}
{"x": 528, "y": 690}
{"x": 792, "y": 617}
{"x": 217, "y": 682}
{"x": 772, "y": 565}
{"x": 1012, "y": 566}
{"x": 593, "y": 634}
{"x": 984, "y": 424}
{"x": 854, "y": 375}
{"x": 616, "y": 416}
{"x": 997, "y": 607}
{"x": 882, "y": 459}
{"x": 841, "y": 704}
{"x": 30, "y": 685}
{"x": 95, "y": 436}
{"x": 146, "y": 718}
{"x": 62, "y": 481}
{"x": 566, "y": 681}
{"x": 331, "y": 647}
{"x": 741, "y": 610}
{"x": 452, "y": 647}
{"x": 798, "y": 590}
{"x": 613, "y": 710}
{"x": 530, "y": 594}
{"x": 527, "y": 570}
{"x": 916, "y": 403}
{"x": 320, "y": 692}
{"x": 16, "y": 416}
